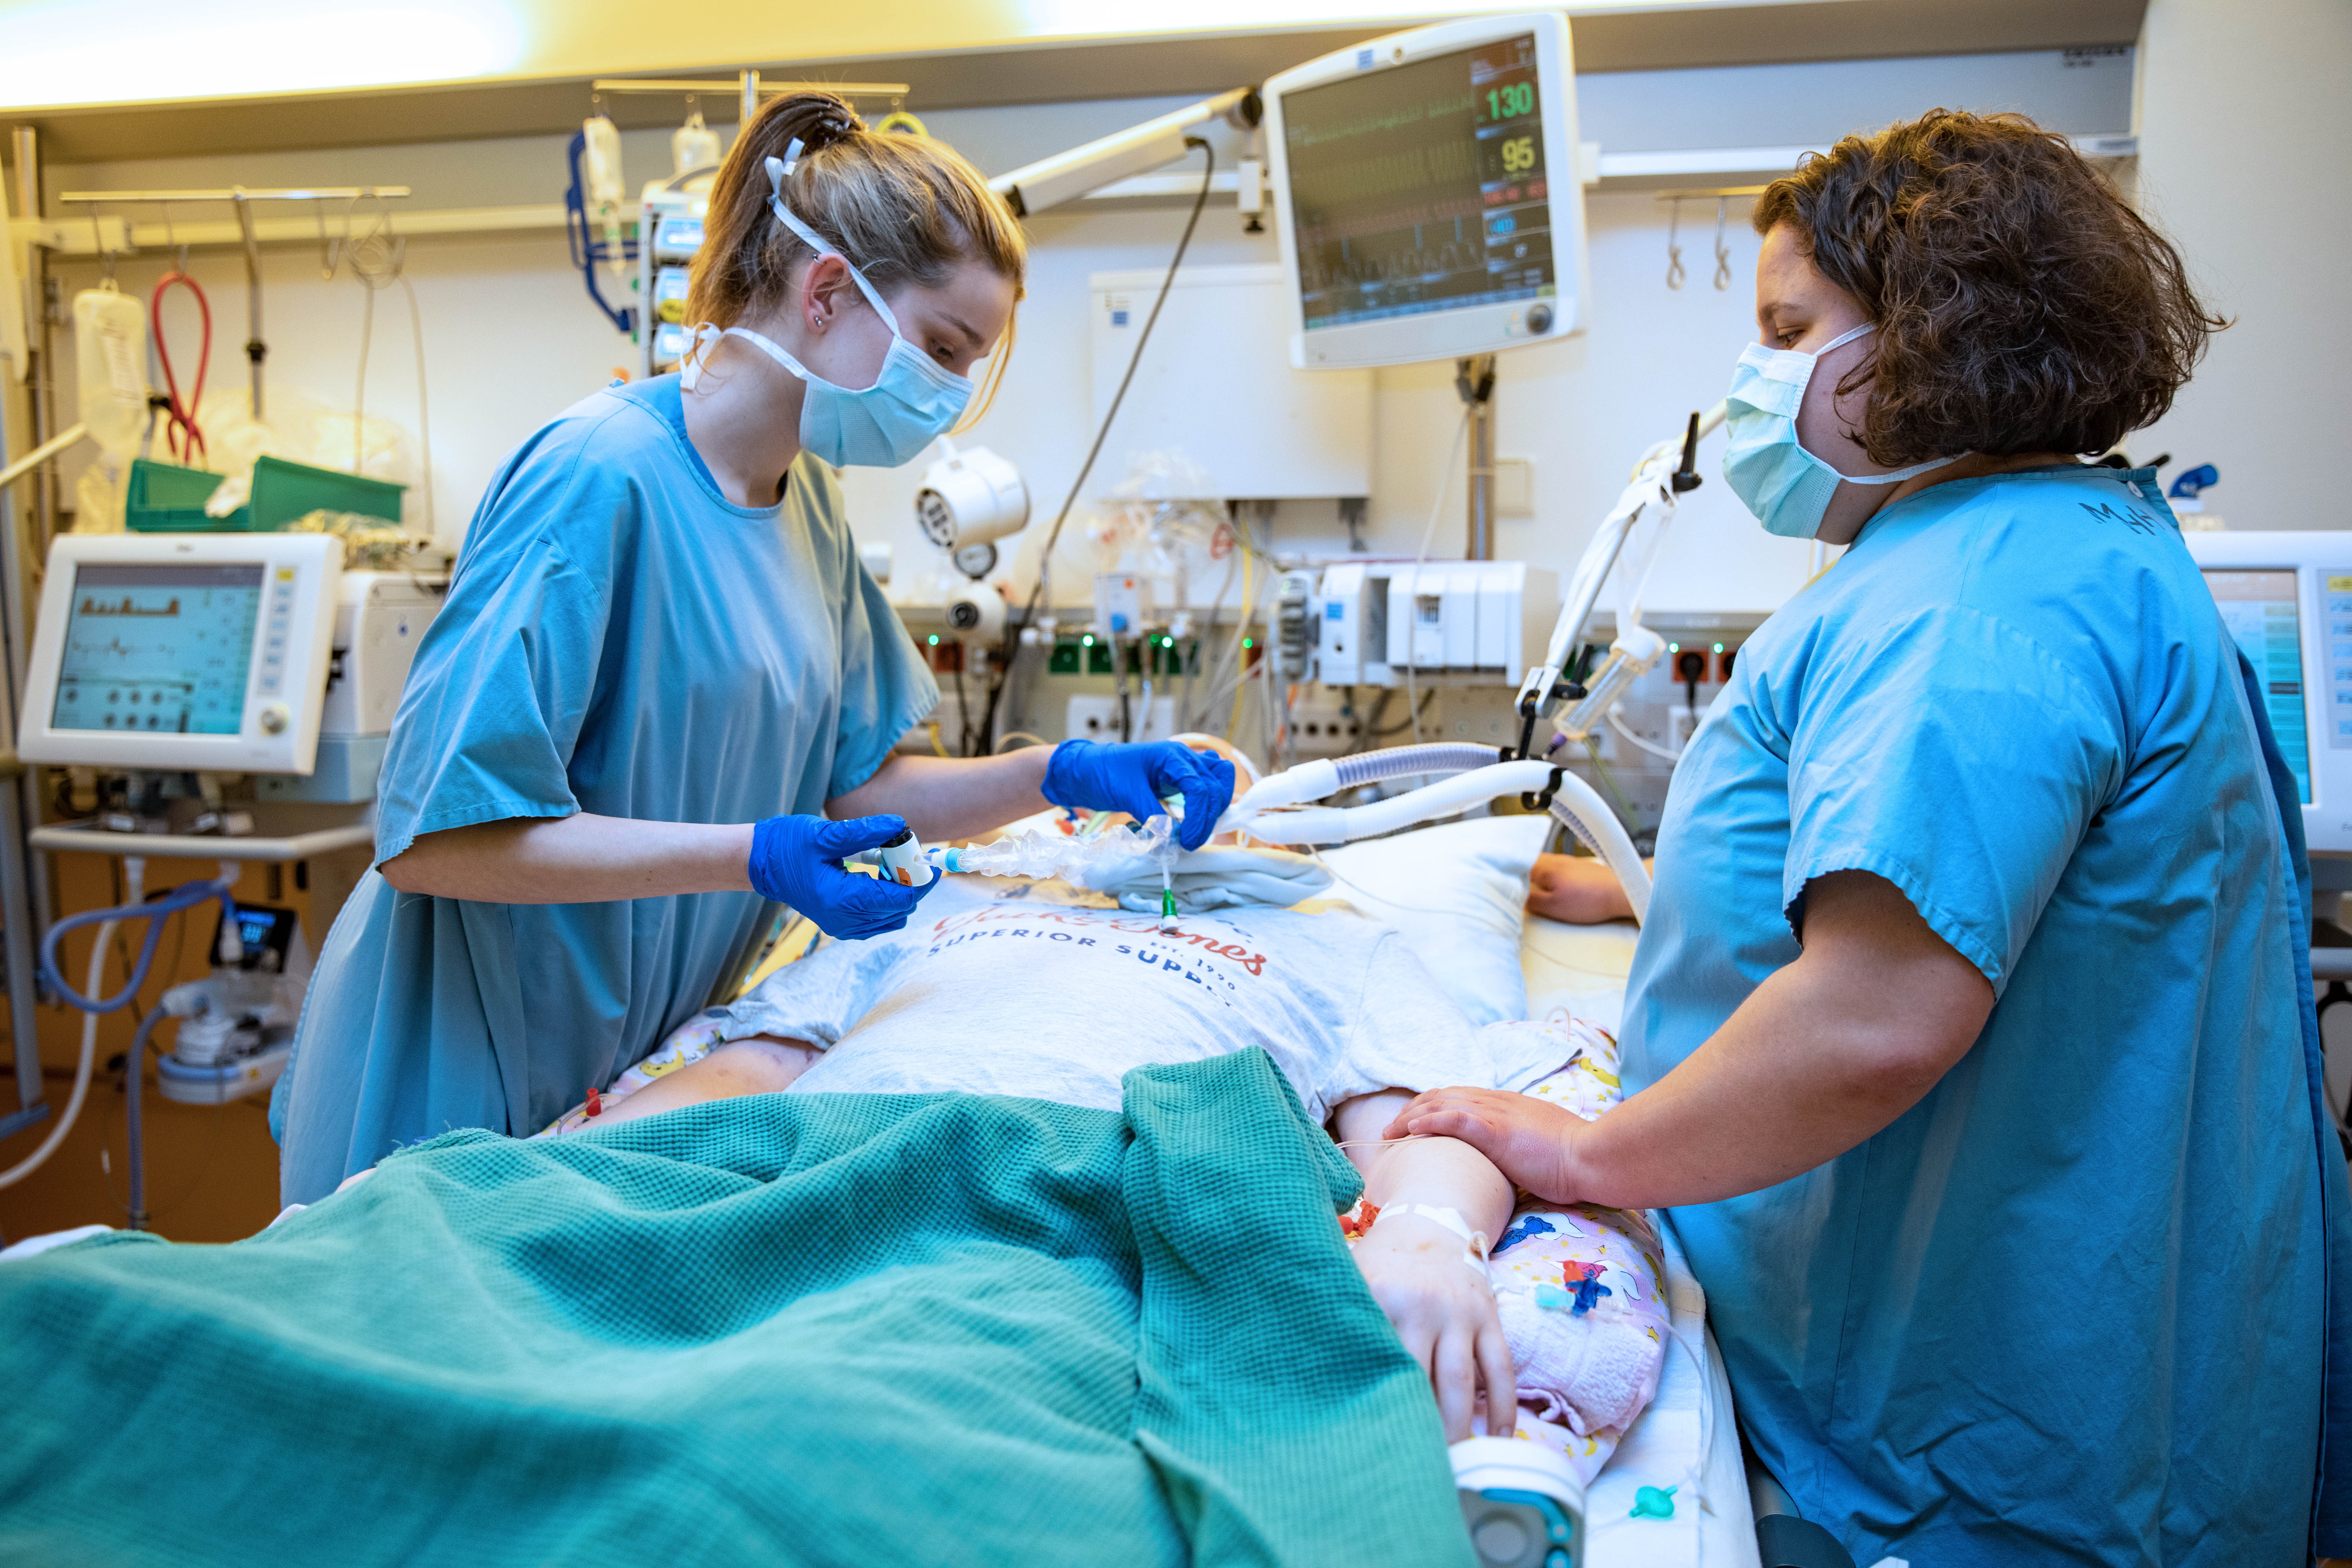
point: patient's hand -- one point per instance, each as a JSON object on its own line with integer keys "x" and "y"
{"x": 1443, "y": 1310}
{"x": 1532, "y": 1141}
{"x": 1578, "y": 890}
{"x": 1442, "y": 1306}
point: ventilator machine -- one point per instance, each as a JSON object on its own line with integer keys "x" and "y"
{"x": 227, "y": 696}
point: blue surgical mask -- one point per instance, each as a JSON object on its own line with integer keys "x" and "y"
{"x": 912, "y": 403}
{"x": 1786, "y": 487}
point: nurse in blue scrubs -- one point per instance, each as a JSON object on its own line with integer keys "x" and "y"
{"x": 1970, "y": 1040}
{"x": 664, "y": 692}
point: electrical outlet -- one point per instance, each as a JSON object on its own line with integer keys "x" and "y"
{"x": 1096, "y": 719}
{"x": 1323, "y": 724}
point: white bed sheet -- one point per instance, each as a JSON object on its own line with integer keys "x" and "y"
{"x": 1686, "y": 1439}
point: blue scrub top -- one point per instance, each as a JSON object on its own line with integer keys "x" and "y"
{"x": 2075, "y": 1304}
{"x": 619, "y": 638}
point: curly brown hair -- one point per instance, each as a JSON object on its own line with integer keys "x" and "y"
{"x": 2021, "y": 305}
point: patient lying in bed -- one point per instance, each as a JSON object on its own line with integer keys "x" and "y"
{"x": 1030, "y": 990}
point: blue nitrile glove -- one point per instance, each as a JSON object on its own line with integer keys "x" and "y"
{"x": 1099, "y": 775}
{"x": 796, "y": 860}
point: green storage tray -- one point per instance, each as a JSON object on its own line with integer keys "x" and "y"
{"x": 165, "y": 498}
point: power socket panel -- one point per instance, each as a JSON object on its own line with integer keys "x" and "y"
{"x": 1323, "y": 723}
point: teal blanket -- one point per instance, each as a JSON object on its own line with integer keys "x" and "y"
{"x": 823, "y": 1328}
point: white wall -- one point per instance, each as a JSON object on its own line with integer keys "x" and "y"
{"x": 510, "y": 337}
{"x": 2245, "y": 126}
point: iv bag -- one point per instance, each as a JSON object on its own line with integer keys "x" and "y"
{"x": 606, "y": 189}
{"x": 111, "y": 365}
{"x": 694, "y": 145}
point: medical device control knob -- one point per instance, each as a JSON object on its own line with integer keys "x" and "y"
{"x": 275, "y": 718}
{"x": 1538, "y": 320}
{"x": 1686, "y": 477}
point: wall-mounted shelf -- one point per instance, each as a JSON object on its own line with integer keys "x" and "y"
{"x": 1607, "y": 171}
{"x": 1713, "y": 166}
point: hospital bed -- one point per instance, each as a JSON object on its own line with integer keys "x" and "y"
{"x": 1685, "y": 1443}
{"x": 1687, "y": 1438}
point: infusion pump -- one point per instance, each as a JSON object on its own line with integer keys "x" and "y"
{"x": 247, "y": 653}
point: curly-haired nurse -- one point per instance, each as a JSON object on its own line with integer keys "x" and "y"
{"x": 1970, "y": 1040}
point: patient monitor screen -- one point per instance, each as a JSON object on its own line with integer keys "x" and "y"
{"x": 2263, "y": 615}
{"x": 1421, "y": 188}
{"x": 163, "y": 648}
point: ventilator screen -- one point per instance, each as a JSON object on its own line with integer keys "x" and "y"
{"x": 162, "y": 649}
{"x": 2260, "y": 609}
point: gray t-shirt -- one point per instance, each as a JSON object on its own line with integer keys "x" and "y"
{"x": 991, "y": 990}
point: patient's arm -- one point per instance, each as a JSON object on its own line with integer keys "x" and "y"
{"x": 1578, "y": 890}
{"x": 1443, "y": 1310}
{"x": 756, "y": 1064}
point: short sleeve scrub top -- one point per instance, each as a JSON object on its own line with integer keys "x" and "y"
{"x": 2086, "y": 1302}
{"x": 618, "y": 638}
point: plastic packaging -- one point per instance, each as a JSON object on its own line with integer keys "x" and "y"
{"x": 1040, "y": 854}
{"x": 369, "y": 543}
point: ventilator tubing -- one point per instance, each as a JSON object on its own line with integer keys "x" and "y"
{"x": 1573, "y": 802}
{"x": 1329, "y": 775}
{"x": 188, "y": 894}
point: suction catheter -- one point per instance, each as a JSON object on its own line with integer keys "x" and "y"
{"x": 187, "y": 896}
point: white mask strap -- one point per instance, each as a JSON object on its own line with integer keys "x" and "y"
{"x": 709, "y": 334}
{"x": 1844, "y": 338}
{"x": 1899, "y": 475}
{"x": 778, "y": 168}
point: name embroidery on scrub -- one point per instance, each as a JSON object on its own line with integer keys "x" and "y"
{"x": 2132, "y": 518}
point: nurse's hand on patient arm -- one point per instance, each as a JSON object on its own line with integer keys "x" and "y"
{"x": 1095, "y": 776}
{"x": 1826, "y": 1053}
{"x": 1442, "y": 1309}
{"x": 796, "y": 860}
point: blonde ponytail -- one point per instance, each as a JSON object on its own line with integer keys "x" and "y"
{"x": 903, "y": 209}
